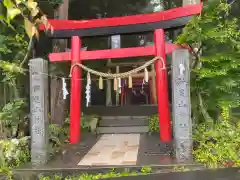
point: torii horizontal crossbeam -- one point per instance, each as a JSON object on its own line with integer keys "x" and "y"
{"x": 172, "y": 18}
{"x": 112, "y": 53}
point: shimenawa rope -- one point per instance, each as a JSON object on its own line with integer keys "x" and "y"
{"x": 118, "y": 75}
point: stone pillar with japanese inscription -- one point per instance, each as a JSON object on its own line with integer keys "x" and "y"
{"x": 39, "y": 110}
{"x": 181, "y": 105}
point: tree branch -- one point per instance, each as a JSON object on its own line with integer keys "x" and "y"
{"x": 203, "y": 110}
{"x": 196, "y": 55}
{"x": 30, "y": 44}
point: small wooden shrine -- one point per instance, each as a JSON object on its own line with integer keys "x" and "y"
{"x": 156, "y": 23}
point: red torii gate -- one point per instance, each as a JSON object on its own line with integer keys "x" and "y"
{"x": 156, "y": 22}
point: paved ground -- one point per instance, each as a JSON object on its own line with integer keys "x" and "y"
{"x": 113, "y": 149}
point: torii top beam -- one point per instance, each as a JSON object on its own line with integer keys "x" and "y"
{"x": 172, "y": 18}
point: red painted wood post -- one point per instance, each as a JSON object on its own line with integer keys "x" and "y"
{"x": 162, "y": 88}
{"x": 75, "y": 96}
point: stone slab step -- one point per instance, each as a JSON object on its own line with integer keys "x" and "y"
{"x": 123, "y": 117}
{"x": 121, "y": 130}
{"x": 126, "y": 110}
{"x": 123, "y": 122}
{"x": 26, "y": 172}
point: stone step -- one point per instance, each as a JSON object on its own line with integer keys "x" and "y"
{"x": 126, "y": 110}
{"x": 33, "y": 173}
{"x": 123, "y": 122}
{"x": 123, "y": 129}
{"x": 123, "y": 117}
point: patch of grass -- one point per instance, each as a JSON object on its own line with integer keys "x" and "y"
{"x": 144, "y": 171}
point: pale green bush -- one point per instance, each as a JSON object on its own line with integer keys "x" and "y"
{"x": 14, "y": 152}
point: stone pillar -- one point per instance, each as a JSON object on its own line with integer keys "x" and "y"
{"x": 181, "y": 105}
{"x": 39, "y": 110}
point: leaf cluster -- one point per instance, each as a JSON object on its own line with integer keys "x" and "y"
{"x": 213, "y": 37}
{"x": 219, "y": 146}
{"x": 11, "y": 111}
{"x": 29, "y": 12}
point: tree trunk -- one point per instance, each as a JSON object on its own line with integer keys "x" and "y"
{"x": 58, "y": 104}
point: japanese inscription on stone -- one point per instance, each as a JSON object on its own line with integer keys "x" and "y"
{"x": 38, "y": 110}
{"x": 181, "y": 105}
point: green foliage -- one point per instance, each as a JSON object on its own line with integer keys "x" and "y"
{"x": 29, "y": 13}
{"x": 144, "y": 171}
{"x": 153, "y": 124}
{"x": 11, "y": 116}
{"x": 218, "y": 146}
{"x": 214, "y": 39}
{"x": 12, "y": 51}
{"x": 7, "y": 171}
{"x": 19, "y": 18}
{"x": 57, "y": 136}
{"x": 180, "y": 169}
{"x": 14, "y": 152}
{"x": 85, "y": 121}
{"x": 11, "y": 111}
{"x": 225, "y": 113}
{"x": 89, "y": 122}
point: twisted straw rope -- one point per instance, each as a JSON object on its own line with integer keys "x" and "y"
{"x": 118, "y": 75}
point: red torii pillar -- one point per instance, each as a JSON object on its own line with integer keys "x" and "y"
{"x": 176, "y": 17}
{"x": 162, "y": 87}
{"x": 160, "y": 49}
{"x": 75, "y": 95}
{"x": 161, "y": 82}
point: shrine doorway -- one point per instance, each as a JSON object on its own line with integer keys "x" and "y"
{"x": 139, "y": 94}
